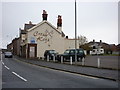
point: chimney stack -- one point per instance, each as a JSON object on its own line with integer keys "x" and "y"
{"x": 30, "y": 22}
{"x": 44, "y": 15}
{"x": 59, "y": 23}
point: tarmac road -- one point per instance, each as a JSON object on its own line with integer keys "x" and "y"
{"x": 17, "y": 74}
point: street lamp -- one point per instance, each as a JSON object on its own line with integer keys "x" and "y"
{"x": 75, "y": 33}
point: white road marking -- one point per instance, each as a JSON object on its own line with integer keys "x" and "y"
{"x": 19, "y": 76}
{"x": 7, "y": 67}
{"x": 3, "y": 63}
{"x": 14, "y": 72}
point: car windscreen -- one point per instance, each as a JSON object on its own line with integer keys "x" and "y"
{"x": 80, "y": 51}
{"x": 66, "y": 52}
{"x": 73, "y": 51}
{"x": 8, "y": 53}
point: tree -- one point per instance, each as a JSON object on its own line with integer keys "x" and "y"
{"x": 86, "y": 47}
{"x": 82, "y": 40}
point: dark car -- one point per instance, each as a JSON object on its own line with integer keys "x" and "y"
{"x": 50, "y": 53}
{"x": 8, "y": 55}
{"x": 71, "y": 53}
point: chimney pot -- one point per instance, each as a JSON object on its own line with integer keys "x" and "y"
{"x": 30, "y": 22}
{"x": 66, "y": 37}
{"x": 59, "y": 21}
{"x": 44, "y": 15}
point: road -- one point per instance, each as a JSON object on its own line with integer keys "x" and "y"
{"x": 17, "y": 74}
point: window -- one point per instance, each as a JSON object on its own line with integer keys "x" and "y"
{"x": 52, "y": 51}
{"x": 66, "y": 52}
{"x": 80, "y": 51}
{"x": 72, "y": 52}
{"x": 93, "y": 50}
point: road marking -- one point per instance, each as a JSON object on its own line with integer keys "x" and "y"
{"x": 7, "y": 67}
{"x": 14, "y": 72}
{"x": 3, "y": 63}
{"x": 19, "y": 76}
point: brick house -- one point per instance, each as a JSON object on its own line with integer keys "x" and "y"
{"x": 16, "y": 46}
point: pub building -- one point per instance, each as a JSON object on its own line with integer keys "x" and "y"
{"x": 36, "y": 38}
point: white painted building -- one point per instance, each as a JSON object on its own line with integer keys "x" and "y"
{"x": 45, "y": 36}
{"x": 97, "y": 49}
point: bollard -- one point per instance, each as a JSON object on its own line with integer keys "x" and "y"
{"x": 48, "y": 58}
{"x": 83, "y": 61}
{"x": 71, "y": 60}
{"x": 54, "y": 58}
{"x": 61, "y": 59}
{"x": 98, "y": 62}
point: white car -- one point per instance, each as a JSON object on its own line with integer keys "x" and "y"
{"x": 8, "y": 55}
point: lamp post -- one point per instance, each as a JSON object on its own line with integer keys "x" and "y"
{"x": 75, "y": 33}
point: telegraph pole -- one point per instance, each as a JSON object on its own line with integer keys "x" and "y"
{"x": 75, "y": 32}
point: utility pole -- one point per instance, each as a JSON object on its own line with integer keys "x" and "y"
{"x": 75, "y": 33}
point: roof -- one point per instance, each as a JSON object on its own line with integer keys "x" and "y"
{"x": 28, "y": 26}
{"x": 9, "y": 44}
{"x": 92, "y": 43}
{"x": 71, "y": 39}
{"x": 63, "y": 34}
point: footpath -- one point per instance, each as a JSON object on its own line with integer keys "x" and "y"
{"x": 88, "y": 71}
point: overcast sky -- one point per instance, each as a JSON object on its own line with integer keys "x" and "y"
{"x": 95, "y": 20}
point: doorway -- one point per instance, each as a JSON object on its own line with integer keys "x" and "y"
{"x": 32, "y": 50}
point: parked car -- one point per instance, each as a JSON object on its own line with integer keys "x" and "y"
{"x": 71, "y": 53}
{"x": 50, "y": 53}
{"x": 8, "y": 54}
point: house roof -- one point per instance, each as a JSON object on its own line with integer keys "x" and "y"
{"x": 41, "y": 23}
{"x": 92, "y": 43}
{"x": 71, "y": 39}
{"x": 28, "y": 26}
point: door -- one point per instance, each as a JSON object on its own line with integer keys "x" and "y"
{"x": 32, "y": 52}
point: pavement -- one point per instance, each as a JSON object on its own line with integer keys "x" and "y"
{"x": 83, "y": 70}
